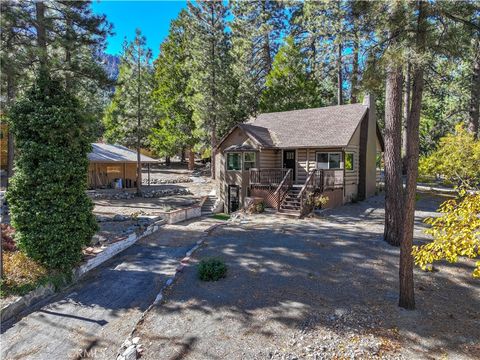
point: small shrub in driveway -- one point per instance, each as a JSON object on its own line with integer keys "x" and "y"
{"x": 212, "y": 269}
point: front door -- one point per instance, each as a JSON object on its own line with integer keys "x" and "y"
{"x": 289, "y": 160}
{"x": 233, "y": 198}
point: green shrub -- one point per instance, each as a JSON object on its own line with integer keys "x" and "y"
{"x": 260, "y": 207}
{"x": 212, "y": 269}
{"x": 50, "y": 210}
{"x": 221, "y": 216}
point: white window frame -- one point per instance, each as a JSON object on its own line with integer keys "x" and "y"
{"x": 328, "y": 159}
{"x": 254, "y": 160}
{"x": 241, "y": 161}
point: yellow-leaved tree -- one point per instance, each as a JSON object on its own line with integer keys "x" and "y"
{"x": 456, "y": 159}
{"x": 456, "y": 232}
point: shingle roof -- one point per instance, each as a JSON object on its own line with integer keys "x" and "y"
{"x": 115, "y": 153}
{"x": 331, "y": 126}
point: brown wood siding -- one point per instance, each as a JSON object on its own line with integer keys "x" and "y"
{"x": 307, "y": 162}
{"x": 335, "y": 198}
{"x": 269, "y": 159}
{"x": 301, "y": 166}
{"x": 223, "y": 178}
{"x": 104, "y": 174}
{"x": 362, "y": 181}
{"x": 351, "y": 176}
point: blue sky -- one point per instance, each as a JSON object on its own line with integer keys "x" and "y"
{"x": 152, "y": 17}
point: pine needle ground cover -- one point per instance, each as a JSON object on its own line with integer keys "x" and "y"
{"x": 21, "y": 274}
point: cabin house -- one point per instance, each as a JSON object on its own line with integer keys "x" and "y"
{"x": 113, "y": 166}
{"x": 285, "y": 156}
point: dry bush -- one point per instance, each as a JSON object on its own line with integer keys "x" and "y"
{"x": 8, "y": 243}
{"x": 20, "y": 270}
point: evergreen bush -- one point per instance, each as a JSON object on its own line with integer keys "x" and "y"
{"x": 49, "y": 208}
{"x": 212, "y": 269}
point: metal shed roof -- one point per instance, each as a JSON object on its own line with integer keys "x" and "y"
{"x": 106, "y": 153}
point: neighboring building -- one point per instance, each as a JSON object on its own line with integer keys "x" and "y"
{"x": 109, "y": 163}
{"x": 281, "y": 157}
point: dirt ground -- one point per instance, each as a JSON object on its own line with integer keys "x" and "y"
{"x": 144, "y": 206}
{"x": 323, "y": 288}
{"x": 198, "y": 187}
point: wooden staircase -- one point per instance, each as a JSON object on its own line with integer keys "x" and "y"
{"x": 291, "y": 203}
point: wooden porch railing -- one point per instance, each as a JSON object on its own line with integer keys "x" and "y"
{"x": 283, "y": 188}
{"x": 270, "y": 177}
{"x": 319, "y": 180}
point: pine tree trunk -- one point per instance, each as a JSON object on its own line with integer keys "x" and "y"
{"x": 182, "y": 158}
{"x": 406, "y": 112}
{"x": 266, "y": 45}
{"x": 392, "y": 158}
{"x": 41, "y": 34}
{"x": 213, "y": 143}
{"x": 354, "y": 81}
{"x": 339, "y": 76}
{"x": 68, "y": 53}
{"x": 474, "y": 122}
{"x": 213, "y": 134}
{"x": 407, "y": 296}
{"x": 139, "y": 163}
{"x": 191, "y": 159}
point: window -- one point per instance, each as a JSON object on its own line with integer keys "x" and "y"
{"x": 234, "y": 161}
{"x": 349, "y": 161}
{"x": 329, "y": 160}
{"x": 249, "y": 160}
{"x": 322, "y": 161}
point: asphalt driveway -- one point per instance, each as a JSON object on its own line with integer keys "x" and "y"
{"x": 93, "y": 317}
{"x": 314, "y": 289}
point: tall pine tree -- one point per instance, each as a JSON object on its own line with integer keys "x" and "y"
{"x": 288, "y": 86}
{"x": 257, "y": 29}
{"x": 131, "y": 114}
{"x": 175, "y": 130}
{"x": 212, "y": 78}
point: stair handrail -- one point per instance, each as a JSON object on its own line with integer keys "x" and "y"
{"x": 310, "y": 184}
{"x": 287, "y": 178}
{"x": 307, "y": 182}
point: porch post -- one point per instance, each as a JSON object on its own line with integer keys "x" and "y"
{"x": 308, "y": 161}
{"x": 95, "y": 174}
{"x": 124, "y": 175}
{"x": 148, "y": 167}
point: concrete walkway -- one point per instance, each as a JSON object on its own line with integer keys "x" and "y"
{"x": 92, "y": 318}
